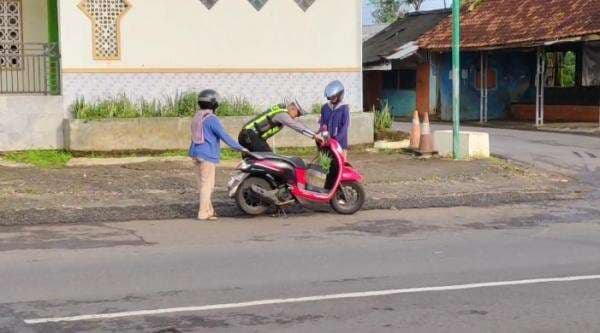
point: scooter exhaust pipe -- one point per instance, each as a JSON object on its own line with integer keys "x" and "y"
{"x": 271, "y": 197}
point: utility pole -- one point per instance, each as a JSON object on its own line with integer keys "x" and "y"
{"x": 456, "y": 78}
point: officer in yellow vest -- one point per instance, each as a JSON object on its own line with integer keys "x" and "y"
{"x": 256, "y": 132}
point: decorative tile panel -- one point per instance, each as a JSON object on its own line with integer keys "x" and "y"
{"x": 258, "y": 4}
{"x": 209, "y": 3}
{"x": 11, "y": 34}
{"x": 305, "y": 4}
{"x": 105, "y": 16}
{"x": 261, "y": 89}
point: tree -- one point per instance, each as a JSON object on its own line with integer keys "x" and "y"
{"x": 387, "y": 11}
{"x": 416, "y": 4}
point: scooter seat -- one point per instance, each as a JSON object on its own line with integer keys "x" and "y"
{"x": 297, "y": 162}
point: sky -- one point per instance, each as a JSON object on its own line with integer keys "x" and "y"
{"x": 427, "y": 5}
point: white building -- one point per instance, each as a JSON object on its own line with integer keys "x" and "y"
{"x": 54, "y": 51}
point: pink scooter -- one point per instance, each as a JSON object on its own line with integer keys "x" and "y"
{"x": 268, "y": 180}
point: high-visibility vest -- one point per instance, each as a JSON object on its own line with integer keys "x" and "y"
{"x": 263, "y": 124}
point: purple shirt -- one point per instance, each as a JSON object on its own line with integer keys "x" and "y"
{"x": 337, "y": 121}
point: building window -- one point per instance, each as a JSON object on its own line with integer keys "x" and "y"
{"x": 390, "y": 80}
{"x": 560, "y": 69}
{"x": 11, "y": 36}
{"x": 400, "y": 80}
{"x": 408, "y": 79}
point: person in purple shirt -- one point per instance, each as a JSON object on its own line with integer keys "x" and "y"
{"x": 335, "y": 115}
{"x": 205, "y": 149}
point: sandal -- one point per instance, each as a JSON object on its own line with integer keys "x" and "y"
{"x": 210, "y": 218}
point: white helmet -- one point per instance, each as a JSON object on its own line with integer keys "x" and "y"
{"x": 335, "y": 89}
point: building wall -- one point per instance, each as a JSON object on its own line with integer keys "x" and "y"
{"x": 179, "y": 45}
{"x": 514, "y": 72}
{"x": 35, "y": 21}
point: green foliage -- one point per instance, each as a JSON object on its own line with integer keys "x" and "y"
{"x": 324, "y": 161}
{"x": 385, "y": 11}
{"x": 180, "y": 105}
{"x": 41, "y": 158}
{"x": 316, "y": 108}
{"x": 236, "y": 107}
{"x": 383, "y": 118}
{"x": 567, "y": 72}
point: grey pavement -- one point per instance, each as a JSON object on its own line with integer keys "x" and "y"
{"x": 67, "y": 270}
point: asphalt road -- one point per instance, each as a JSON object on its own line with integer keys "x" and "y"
{"x": 575, "y": 155}
{"x": 56, "y": 271}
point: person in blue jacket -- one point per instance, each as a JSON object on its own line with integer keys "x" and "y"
{"x": 335, "y": 115}
{"x": 205, "y": 149}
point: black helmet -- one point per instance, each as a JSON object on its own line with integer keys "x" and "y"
{"x": 208, "y": 99}
{"x": 333, "y": 90}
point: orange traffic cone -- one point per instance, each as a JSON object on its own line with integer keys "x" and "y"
{"x": 426, "y": 142}
{"x": 415, "y": 132}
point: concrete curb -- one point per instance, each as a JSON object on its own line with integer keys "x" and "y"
{"x": 227, "y": 208}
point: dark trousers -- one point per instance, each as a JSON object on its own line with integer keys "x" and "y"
{"x": 250, "y": 140}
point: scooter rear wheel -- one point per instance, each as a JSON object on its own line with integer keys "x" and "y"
{"x": 349, "y": 199}
{"x": 247, "y": 200}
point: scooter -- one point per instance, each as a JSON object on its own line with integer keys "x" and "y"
{"x": 266, "y": 180}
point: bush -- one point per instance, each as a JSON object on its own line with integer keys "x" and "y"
{"x": 180, "y": 105}
{"x": 383, "y": 118}
{"x": 235, "y": 107}
{"x": 316, "y": 108}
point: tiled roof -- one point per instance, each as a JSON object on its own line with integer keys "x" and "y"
{"x": 517, "y": 23}
{"x": 369, "y": 31}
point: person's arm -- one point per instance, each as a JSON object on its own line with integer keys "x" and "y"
{"x": 344, "y": 122}
{"x": 321, "y": 119}
{"x": 220, "y": 132}
{"x": 285, "y": 120}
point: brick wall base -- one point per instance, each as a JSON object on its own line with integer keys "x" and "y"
{"x": 557, "y": 113}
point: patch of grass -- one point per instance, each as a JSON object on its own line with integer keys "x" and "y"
{"x": 174, "y": 153}
{"x": 41, "y": 158}
{"x": 297, "y": 151}
{"x": 230, "y": 154}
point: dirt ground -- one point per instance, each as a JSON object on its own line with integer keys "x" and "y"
{"x": 392, "y": 180}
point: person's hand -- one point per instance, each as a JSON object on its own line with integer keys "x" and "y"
{"x": 318, "y": 138}
{"x": 244, "y": 151}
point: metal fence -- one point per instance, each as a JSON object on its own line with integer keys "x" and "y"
{"x": 30, "y": 68}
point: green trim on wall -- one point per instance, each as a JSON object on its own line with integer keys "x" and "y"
{"x": 53, "y": 38}
{"x": 52, "y": 21}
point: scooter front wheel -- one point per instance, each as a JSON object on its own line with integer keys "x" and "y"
{"x": 349, "y": 198}
{"x": 248, "y": 201}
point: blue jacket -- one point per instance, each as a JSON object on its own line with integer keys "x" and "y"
{"x": 210, "y": 150}
{"x": 337, "y": 122}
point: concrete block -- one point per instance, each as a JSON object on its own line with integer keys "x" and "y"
{"x": 473, "y": 145}
{"x": 31, "y": 122}
{"x": 174, "y": 133}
